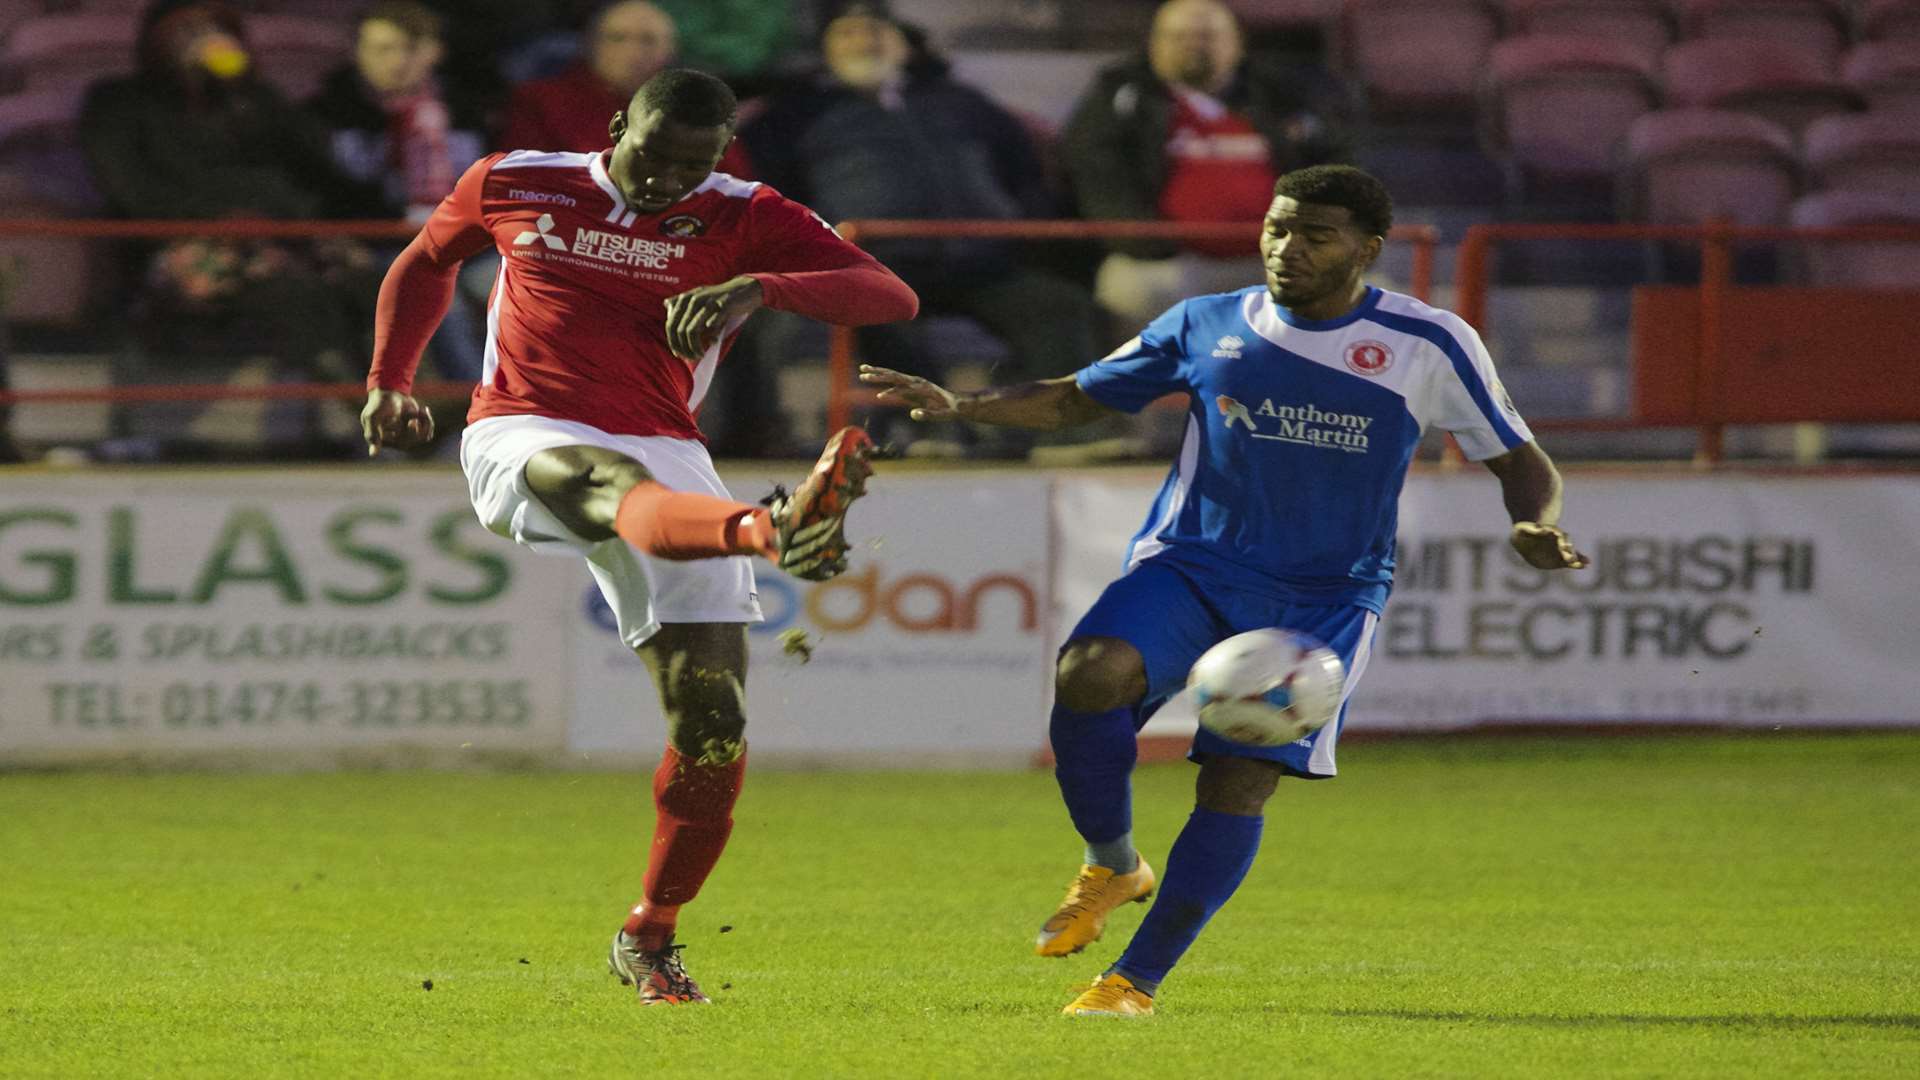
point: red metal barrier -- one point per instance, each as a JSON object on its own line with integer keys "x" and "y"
{"x": 1473, "y": 272}
{"x": 844, "y": 393}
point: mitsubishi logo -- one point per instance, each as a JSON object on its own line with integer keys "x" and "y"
{"x": 544, "y": 223}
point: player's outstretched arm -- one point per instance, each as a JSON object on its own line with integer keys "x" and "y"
{"x": 1046, "y": 405}
{"x": 1530, "y": 486}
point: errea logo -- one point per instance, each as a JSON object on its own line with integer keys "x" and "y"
{"x": 542, "y": 232}
{"x": 1228, "y": 348}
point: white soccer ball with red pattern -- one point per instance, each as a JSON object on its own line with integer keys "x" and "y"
{"x": 1267, "y": 687}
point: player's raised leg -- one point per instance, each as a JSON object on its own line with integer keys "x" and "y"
{"x": 599, "y": 493}
{"x": 700, "y": 670}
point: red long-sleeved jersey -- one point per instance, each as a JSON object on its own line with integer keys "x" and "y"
{"x": 576, "y": 326}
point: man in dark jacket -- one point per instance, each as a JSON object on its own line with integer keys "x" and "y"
{"x": 195, "y": 133}
{"x": 1193, "y": 131}
{"x": 883, "y": 132}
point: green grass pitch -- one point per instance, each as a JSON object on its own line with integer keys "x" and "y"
{"x": 1664, "y": 906}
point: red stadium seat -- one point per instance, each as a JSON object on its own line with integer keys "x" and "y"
{"x": 1872, "y": 264}
{"x": 66, "y": 50}
{"x": 15, "y": 12}
{"x": 1865, "y": 152}
{"x": 1692, "y": 166}
{"x": 1891, "y": 20}
{"x": 295, "y": 53}
{"x": 1646, "y": 24}
{"x": 1540, "y": 81}
{"x": 1887, "y": 75}
{"x": 44, "y": 280}
{"x": 1778, "y": 80}
{"x": 1263, "y": 14}
{"x": 1420, "y": 56}
{"x": 1814, "y": 25}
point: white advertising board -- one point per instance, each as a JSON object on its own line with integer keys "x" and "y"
{"x": 932, "y": 647}
{"x": 152, "y": 614}
{"x": 1713, "y": 599}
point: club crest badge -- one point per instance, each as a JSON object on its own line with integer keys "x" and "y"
{"x": 683, "y": 227}
{"x": 1369, "y": 358}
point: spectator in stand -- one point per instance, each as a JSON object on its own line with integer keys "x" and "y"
{"x": 395, "y": 131}
{"x": 393, "y": 128}
{"x": 195, "y": 133}
{"x": 884, "y": 132}
{"x": 628, "y": 42}
{"x": 1193, "y": 131}
{"x": 742, "y": 41}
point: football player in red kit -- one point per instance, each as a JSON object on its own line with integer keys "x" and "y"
{"x": 625, "y": 275}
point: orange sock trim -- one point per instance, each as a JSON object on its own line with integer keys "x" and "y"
{"x": 685, "y": 525}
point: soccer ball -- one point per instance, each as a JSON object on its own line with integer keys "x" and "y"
{"x": 1267, "y": 687}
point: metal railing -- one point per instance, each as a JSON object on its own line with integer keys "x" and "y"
{"x": 1473, "y": 271}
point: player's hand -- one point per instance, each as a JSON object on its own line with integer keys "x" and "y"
{"x": 394, "y": 419}
{"x": 696, "y": 317}
{"x": 923, "y": 399}
{"x": 1545, "y": 546}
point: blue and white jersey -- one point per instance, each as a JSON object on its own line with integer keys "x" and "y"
{"x": 1299, "y": 434}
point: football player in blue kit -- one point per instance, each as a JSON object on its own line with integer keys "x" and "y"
{"x": 1308, "y": 397}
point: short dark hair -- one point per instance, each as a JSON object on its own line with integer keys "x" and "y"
{"x": 1364, "y": 196}
{"x": 415, "y": 19}
{"x": 687, "y": 97}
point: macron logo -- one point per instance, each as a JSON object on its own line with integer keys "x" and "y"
{"x": 545, "y": 234}
{"x": 1228, "y": 348}
{"x": 542, "y": 196}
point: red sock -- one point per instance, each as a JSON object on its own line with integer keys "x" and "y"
{"x": 694, "y": 805}
{"x": 687, "y": 525}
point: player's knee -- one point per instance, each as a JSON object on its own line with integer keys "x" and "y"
{"x": 1098, "y": 674}
{"x": 706, "y": 714}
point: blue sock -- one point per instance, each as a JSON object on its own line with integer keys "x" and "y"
{"x": 1093, "y": 757}
{"x": 1207, "y": 863}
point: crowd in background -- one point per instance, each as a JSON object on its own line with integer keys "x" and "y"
{"x": 848, "y": 108}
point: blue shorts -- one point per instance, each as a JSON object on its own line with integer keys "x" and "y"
{"x": 1171, "y": 620}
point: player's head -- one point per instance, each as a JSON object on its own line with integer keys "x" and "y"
{"x": 670, "y": 137}
{"x": 1194, "y": 43}
{"x": 862, "y": 46}
{"x": 1323, "y": 230}
{"x": 630, "y": 42}
{"x": 396, "y": 45}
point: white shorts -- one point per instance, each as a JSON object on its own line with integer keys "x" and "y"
{"x": 643, "y": 591}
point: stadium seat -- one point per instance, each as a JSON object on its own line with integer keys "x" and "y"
{"x": 1891, "y": 20}
{"x": 15, "y": 12}
{"x": 44, "y": 280}
{"x": 1262, "y": 14}
{"x": 1538, "y": 81}
{"x": 295, "y": 53}
{"x": 1780, "y": 81}
{"x": 1420, "y": 57}
{"x": 1646, "y": 24}
{"x": 66, "y": 50}
{"x": 1864, "y": 152}
{"x": 1863, "y": 264}
{"x": 1691, "y": 166}
{"x": 1819, "y": 26}
{"x": 1886, "y": 74}
{"x": 38, "y": 140}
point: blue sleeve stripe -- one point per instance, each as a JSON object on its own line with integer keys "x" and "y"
{"x": 1462, "y": 366}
